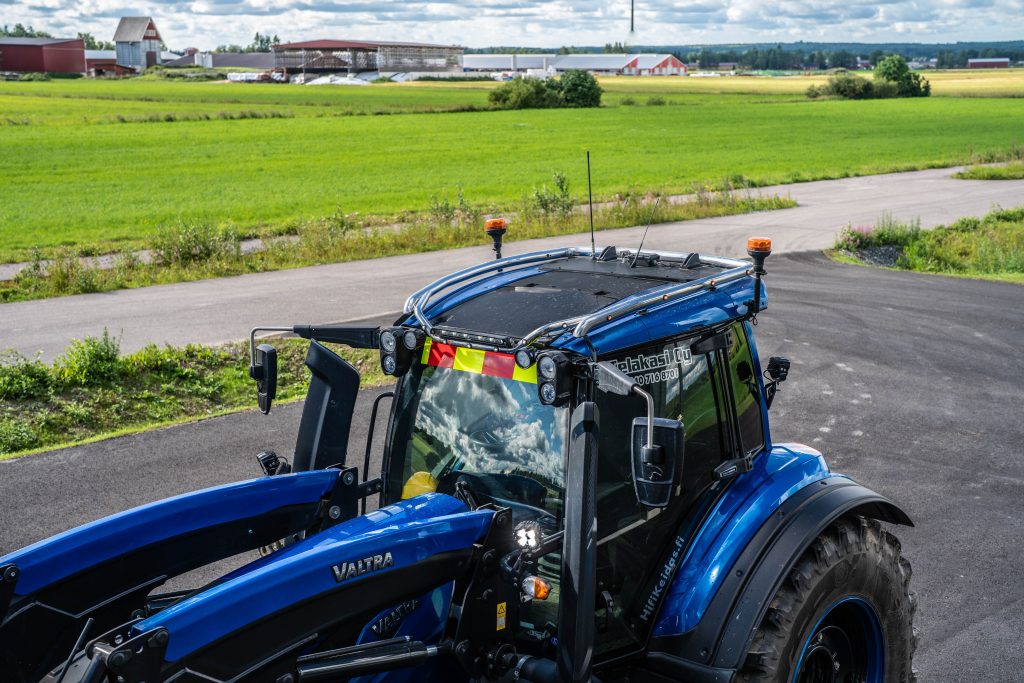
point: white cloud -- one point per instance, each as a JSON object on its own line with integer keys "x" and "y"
{"x": 550, "y": 23}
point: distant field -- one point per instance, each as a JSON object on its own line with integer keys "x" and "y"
{"x": 72, "y": 174}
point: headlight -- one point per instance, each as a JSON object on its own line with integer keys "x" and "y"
{"x": 524, "y": 358}
{"x": 388, "y": 363}
{"x": 546, "y": 367}
{"x": 548, "y": 394}
{"x": 388, "y": 341}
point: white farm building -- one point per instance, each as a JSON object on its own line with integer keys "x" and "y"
{"x": 602, "y": 64}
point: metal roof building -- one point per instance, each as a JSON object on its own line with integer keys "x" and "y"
{"x": 226, "y": 60}
{"x": 43, "y": 55}
{"x": 357, "y": 56}
{"x": 645, "y": 64}
{"x": 137, "y": 41}
{"x": 989, "y": 63}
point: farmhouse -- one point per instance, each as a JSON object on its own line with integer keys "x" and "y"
{"x": 358, "y": 56}
{"x": 989, "y": 63}
{"x": 44, "y": 55}
{"x": 137, "y": 43}
{"x": 605, "y": 64}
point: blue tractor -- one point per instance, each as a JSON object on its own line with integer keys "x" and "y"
{"x": 578, "y": 484}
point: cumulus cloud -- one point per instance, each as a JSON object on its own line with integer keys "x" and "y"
{"x": 207, "y": 23}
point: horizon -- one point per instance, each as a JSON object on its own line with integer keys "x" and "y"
{"x": 206, "y": 24}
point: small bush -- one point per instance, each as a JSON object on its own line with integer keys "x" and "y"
{"x": 90, "y": 361}
{"x": 525, "y": 93}
{"x": 656, "y": 101}
{"x": 22, "y": 378}
{"x": 894, "y": 69}
{"x": 627, "y": 101}
{"x": 382, "y": 79}
{"x": 551, "y": 202}
{"x": 575, "y": 88}
{"x": 16, "y": 435}
{"x": 579, "y": 89}
{"x": 33, "y": 76}
{"x": 192, "y": 242}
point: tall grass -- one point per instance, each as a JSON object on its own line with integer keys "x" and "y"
{"x": 92, "y": 390}
{"x": 988, "y": 246}
{"x": 192, "y": 250}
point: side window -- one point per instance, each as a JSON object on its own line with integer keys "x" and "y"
{"x": 745, "y": 392}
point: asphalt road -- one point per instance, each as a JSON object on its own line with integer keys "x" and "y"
{"x": 909, "y": 383}
{"x": 225, "y": 309}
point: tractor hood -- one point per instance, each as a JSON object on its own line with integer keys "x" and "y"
{"x": 352, "y": 555}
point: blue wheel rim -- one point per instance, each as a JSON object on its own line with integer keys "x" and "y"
{"x": 846, "y": 645}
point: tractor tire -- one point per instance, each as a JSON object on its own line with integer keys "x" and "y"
{"x": 844, "y": 613}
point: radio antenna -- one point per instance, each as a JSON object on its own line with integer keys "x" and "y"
{"x": 590, "y": 192}
{"x": 646, "y": 228}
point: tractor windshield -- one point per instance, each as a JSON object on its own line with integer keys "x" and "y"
{"x": 472, "y": 417}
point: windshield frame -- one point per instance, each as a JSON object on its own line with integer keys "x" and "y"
{"x": 389, "y": 494}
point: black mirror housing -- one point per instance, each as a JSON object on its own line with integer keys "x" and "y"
{"x": 657, "y": 467}
{"x": 778, "y": 368}
{"x": 264, "y": 371}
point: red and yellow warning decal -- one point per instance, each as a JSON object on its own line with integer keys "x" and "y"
{"x": 490, "y": 363}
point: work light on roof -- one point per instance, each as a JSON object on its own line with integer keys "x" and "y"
{"x": 524, "y": 358}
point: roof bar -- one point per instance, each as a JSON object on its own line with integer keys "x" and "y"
{"x": 416, "y": 303}
{"x": 582, "y": 325}
{"x": 737, "y": 270}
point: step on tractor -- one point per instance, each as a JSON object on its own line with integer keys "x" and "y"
{"x": 577, "y": 484}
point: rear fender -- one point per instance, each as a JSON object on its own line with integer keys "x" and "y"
{"x": 104, "y": 570}
{"x": 714, "y": 632}
{"x": 320, "y": 592}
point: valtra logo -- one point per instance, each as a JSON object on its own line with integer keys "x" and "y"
{"x": 347, "y": 570}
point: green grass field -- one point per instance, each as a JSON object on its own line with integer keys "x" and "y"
{"x": 72, "y": 174}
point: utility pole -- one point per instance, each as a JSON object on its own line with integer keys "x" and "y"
{"x": 631, "y": 12}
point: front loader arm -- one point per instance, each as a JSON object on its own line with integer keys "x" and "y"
{"x": 103, "y": 571}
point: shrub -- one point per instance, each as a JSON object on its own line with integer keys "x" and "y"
{"x": 16, "y": 435}
{"x": 90, "y": 361}
{"x": 33, "y": 76}
{"x": 21, "y": 377}
{"x": 574, "y": 89}
{"x": 192, "y": 242}
{"x": 553, "y": 202}
{"x": 525, "y": 93}
{"x": 627, "y": 101}
{"x": 850, "y": 87}
{"x": 579, "y": 89}
{"x": 894, "y": 69}
{"x": 655, "y": 101}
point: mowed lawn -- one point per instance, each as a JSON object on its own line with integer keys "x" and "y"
{"x": 71, "y": 176}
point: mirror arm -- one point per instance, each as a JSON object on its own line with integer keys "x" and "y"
{"x": 252, "y": 340}
{"x": 650, "y": 413}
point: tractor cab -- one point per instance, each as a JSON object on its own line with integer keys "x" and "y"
{"x": 483, "y": 405}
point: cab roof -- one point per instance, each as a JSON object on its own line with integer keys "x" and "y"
{"x": 508, "y": 300}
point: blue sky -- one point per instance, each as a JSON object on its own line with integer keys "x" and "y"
{"x": 206, "y": 23}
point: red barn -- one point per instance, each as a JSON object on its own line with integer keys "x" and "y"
{"x": 655, "y": 65}
{"x": 44, "y": 55}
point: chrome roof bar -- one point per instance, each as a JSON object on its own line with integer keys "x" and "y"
{"x": 416, "y": 303}
{"x": 584, "y": 324}
{"x": 736, "y": 270}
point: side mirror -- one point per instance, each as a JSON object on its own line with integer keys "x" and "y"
{"x": 657, "y": 465}
{"x": 656, "y": 443}
{"x": 264, "y": 370}
{"x": 777, "y": 371}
